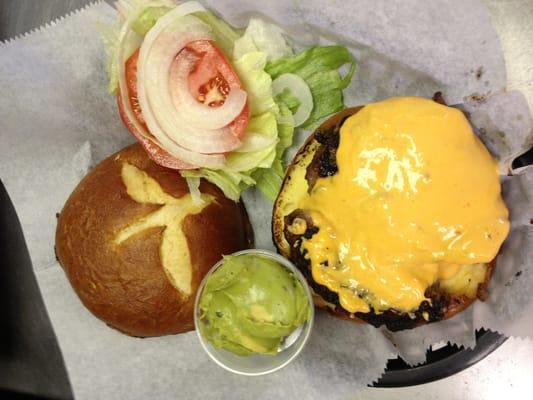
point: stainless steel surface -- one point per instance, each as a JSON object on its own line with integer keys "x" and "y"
{"x": 507, "y": 371}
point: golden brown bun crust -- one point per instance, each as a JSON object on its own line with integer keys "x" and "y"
{"x": 125, "y": 284}
{"x": 443, "y": 306}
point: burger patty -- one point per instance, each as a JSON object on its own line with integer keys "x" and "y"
{"x": 394, "y": 321}
{"x": 441, "y": 304}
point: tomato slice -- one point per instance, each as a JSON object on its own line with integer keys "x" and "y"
{"x": 131, "y": 83}
{"x": 212, "y": 79}
{"x": 156, "y": 153}
{"x": 209, "y": 82}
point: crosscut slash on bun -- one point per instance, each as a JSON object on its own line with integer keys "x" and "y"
{"x": 135, "y": 244}
{"x": 291, "y": 225}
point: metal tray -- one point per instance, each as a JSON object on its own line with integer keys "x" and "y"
{"x": 441, "y": 363}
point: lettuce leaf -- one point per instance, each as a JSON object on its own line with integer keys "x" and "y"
{"x": 147, "y": 19}
{"x": 264, "y": 37}
{"x": 269, "y": 181}
{"x": 285, "y": 132}
{"x": 255, "y": 54}
{"x": 319, "y": 66}
{"x": 110, "y": 35}
{"x": 326, "y": 89}
{"x": 288, "y": 99}
{"x": 266, "y": 126}
{"x": 258, "y": 84}
{"x": 231, "y": 183}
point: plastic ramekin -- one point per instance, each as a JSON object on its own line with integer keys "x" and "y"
{"x": 258, "y": 364}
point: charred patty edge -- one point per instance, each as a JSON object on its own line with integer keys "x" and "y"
{"x": 441, "y": 307}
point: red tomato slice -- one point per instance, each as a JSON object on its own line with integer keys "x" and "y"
{"x": 156, "y": 153}
{"x": 131, "y": 82}
{"x": 209, "y": 82}
{"x": 212, "y": 79}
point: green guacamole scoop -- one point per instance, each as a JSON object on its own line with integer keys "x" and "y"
{"x": 250, "y": 304}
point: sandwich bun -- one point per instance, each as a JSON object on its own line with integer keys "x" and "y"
{"x": 135, "y": 244}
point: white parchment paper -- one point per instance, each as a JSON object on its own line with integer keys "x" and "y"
{"x": 56, "y": 121}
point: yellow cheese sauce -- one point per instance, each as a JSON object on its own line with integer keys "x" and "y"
{"x": 416, "y": 197}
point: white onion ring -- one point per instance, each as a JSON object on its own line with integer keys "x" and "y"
{"x": 299, "y": 88}
{"x": 170, "y": 119}
{"x": 153, "y": 124}
{"x": 126, "y": 35}
{"x": 158, "y": 53}
{"x": 198, "y": 114}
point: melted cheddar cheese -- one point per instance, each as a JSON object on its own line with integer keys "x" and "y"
{"x": 416, "y": 198}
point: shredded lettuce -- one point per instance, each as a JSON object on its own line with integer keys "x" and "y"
{"x": 285, "y": 132}
{"x": 194, "y": 189}
{"x": 231, "y": 183}
{"x": 266, "y": 126}
{"x": 259, "y": 55}
{"x": 110, "y": 34}
{"x": 257, "y": 83}
{"x": 286, "y": 97}
{"x": 147, "y": 19}
{"x": 264, "y": 37}
{"x": 318, "y": 67}
{"x": 269, "y": 180}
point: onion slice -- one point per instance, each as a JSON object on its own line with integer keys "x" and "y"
{"x": 198, "y": 114}
{"x": 298, "y": 89}
{"x": 129, "y": 42}
{"x": 160, "y": 52}
{"x": 149, "y": 103}
{"x": 155, "y": 85}
{"x": 156, "y": 152}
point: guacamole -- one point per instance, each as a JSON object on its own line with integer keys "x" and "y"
{"x": 250, "y": 304}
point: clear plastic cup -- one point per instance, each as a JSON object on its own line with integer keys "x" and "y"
{"x": 258, "y": 364}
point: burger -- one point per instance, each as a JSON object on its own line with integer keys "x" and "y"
{"x": 135, "y": 242}
{"x": 393, "y": 212}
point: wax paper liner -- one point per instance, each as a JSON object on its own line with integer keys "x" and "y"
{"x": 57, "y": 121}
